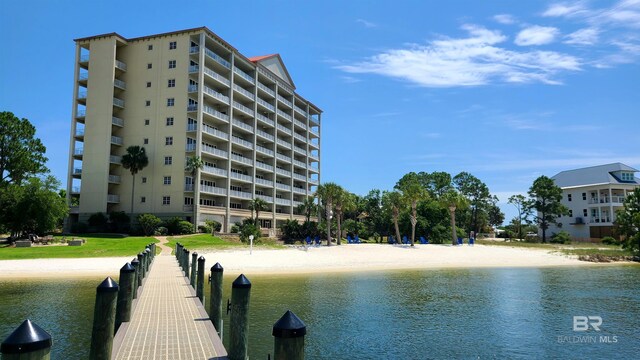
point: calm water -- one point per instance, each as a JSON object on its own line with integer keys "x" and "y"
{"x": 441, "y": 314}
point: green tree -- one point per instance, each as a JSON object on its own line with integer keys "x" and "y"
{"x": 193, "y": 166}
{"x": 628, "y": 221}
{"x": 149, "y": 223}
{"x": 134, "y": 160}
{"x": 496, "y": 216}
{"x": 21, "y": 154}
{"x": 258, "y": 205}
{"x": 452, "y": 200}
{"x": 545, "y": 199}
{"x": 412, "y": 192}
{"x": 523, "y": 207}
{"x": 327, "y": 194}
{"x": 308, "y": 207}
{"x": 344, "y": 201}
{"x": 373, "y": 217}
{"x": 437, "y": 183}
{"x": 479, "y": 198}
{"x": 392, "y": 202}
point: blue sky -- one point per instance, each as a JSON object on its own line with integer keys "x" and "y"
{"x": 506, "y": 90}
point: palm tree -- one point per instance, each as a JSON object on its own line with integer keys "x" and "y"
{"x": 453, "y": 200}
{"x": 193, "y": 166}
{"x": 412, "y": 192}
{"x": 343, "y": 202}
{"x": 257, "y": 205}
{"x": 134, "y": 160}
{"x": 392, "y": 200}
{"x": 308, "y": 207}
{"x": 327, "y": 194}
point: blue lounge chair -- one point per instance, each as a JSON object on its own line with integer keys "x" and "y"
{"x": 391, "y": 240}
{"x": 460, "y": 242}
{"x": 423, "y": 241}
{"x": 317, "y": 240}
{"x": 356, "y": 240}
{"x": 405, "y": 240}
{"x": 472, "y": 241}
{"x": 308, "y": 240}
{"x": 349, "y": 239}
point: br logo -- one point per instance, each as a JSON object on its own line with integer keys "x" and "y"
{"x": 582, "y": 323}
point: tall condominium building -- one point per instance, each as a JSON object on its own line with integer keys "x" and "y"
{"x": 183, "y": 94}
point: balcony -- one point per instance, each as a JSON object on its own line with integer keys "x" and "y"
{"x": 264, "y": 182}
{"x": 242, "y": 142}
{"x": 299, "y": 190}
{"x": 217, "y": 58}
{"x": 284, "y": 129}
{"x": 266, "y": 89}
{"x": 192, "y": 127}
{"x": 115, "y": 159}
{"x": 193, "y": 69}
{"x": 190, "y": 147}
{"x": 215, "y": 113}
{"x": 265, "y": 120}
{"x": 300, "y": 124}
{"x": 313, "y": 169}
{"x": 188, "y": 187}
{"x": 266, "y": 198}
{"x": 243, "y": 92}
{"x": 284, "y": 115}
{"x": 313, "y": 181}
{"x": 313, "y": 156}
{"x": 244, "y": 75}
{"x": 300, "y": 111}
{"x": 242, "y": 125}
{"x": 241, "y": 177}
{"x": 121, "y": 66}
{"x": 284, "y": 202}
{"x": 82, "y": 97}
{"x": 240, "y": 194}
{"x": 263, "y": 166}
{"x": 299, "y": 164}
{"x": 283, "y": 143}
{"x": 80, "y": 114}
{"x": 77, "y": 171}
{"x": 265, "y": 104}
{"x": 118, "y": 102}
{"x": 113, "y": 199}
{"x": 300, "y": 150}
{"x": 214, "y": 75}
{"x": 265, "y": 135}
{"x": 78, "y": 152}
{"x": 314, "y": 131}
{"x": 285, "y": 101}
{"x": 283, "y": 187}
{"x": 300, "y": 137}
{"x": 117, "y": 121}
{"x": 213, "y": 151}
{"x": 243, "y": 108}
{"x": 120, "y": 84}
{"x": 84, "y": 58}
{"x": 314, "y": 145}
{"x": 116, "y": 140}
{"x": 83, "y": 78}
{"x": 75, "y": 190}
{"x": 114, "y": 179}
{"x": 79, "y": 133}
{"x": 213, "y": 190}
{"x": 283, "y": 172}
{"x": 314, "y": 120}
{"x": 215, "y": 132}
{"x": 299, "y": 177}
{"x": 283, "y": 157}
{"x": 616, "y": 199}
{"x": 241, "y": 159}
{"x": 214, "y": 171}
{"x": 194, "y": 49}
{"x": 264, "y": 150}
{"x": 216, "y": 95}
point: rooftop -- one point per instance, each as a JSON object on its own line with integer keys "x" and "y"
{"x": 594, "y": 175}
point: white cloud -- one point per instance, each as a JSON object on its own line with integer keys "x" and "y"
{"x": 586, "y": 36}
{"x": 536, "y": 35}
{"x": 469, "y": 61}
{"x": 367, "y": 24}
{"x": 565, "y": 9}
{"x": 505, "y": 19}
{"x": 350, "y": 79}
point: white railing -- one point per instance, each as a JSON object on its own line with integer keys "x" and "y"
{"x": 264, "y": 182}
{"x": 215, "y": 94}
{"x": 314, "y": 120}
{"x": 241, "y": 177}
{"x": 80, "y": 132}
{"x": 243, "y": 142}
{"x": 284, "y": 115}
{"x": 313, "y": 156}
{"x": 117, "y": 121}
{"x": 300, "y": 111}
{"x": 265, "y": 104}
{"x": 81, "y": 113}
{"x": 299, "y": 137}
{"x": 299, "y": 177}
{"x": 265, "y": 135}
{"x": 190, "y": 147}
{"x": 313, "y": 169}
{"x": 300, "y": 124}
{"x": 266, "y": 89}
{"x": 84, "y": 58}
{"x": 194, "y": 49}
{"x": 114, "y": 179}
{"x": 75, "y": 190}
{"x": 283, "y": 172}
{"x": 83, "y": 76}
{"x": 300, "y": 150}
{"x": 120, "y": 84}
{"x": 213, "y": 151}
{"x": 284, "y": 101}
{"x": 216, "y": 76}
{"x": 120, "y": 65}
{"x": 192, "y": 127}
{"x": 78, "y": 152}
{"x": 192, "y": 88}
{"x": 82, "y": 95}
{"x": 314, "y": 131}
{"x": 241, "y": 107}
{"x": 266, "y": 198}
{"x": 313, "y": 181}
{"x": 264, "y": 150}
{"x": 240, "y": 194}
{"x": 115, "y": 159}
{"x": 188, "y": 187}
{"x": 242, "y": 125}
{"x": 314, "y": 144}
{"x": 213, "y": 190}
{"x": 283, "y": 143}
{"x": 194, "y": 68}
{"x": 217, "y": 58}
{"x": 299, "y": 163}
{"x": 244, "y": 75}
{"x": 244, "y": 92}
{"x": 116, "y": 140}
{"x": 215, "y": 113}
{"x": 265, "y": 120}
{"x": 113, "y": 198}
{"x": 264, "y": 166}
{"x": 285, "y": 202}
{"x": 299, "y": 190}
{"x": 283, "y": 157}
{"x": 241, "y": 159}
{"x": 215, "y": 132}
{"x": 283, "y": 187}
{"x": 118, "y": 102}
{"x": 214, "y": 170}
{"x": 284, "y": 129}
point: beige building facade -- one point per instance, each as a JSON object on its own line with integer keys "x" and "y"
{"x": 182, "y": 94}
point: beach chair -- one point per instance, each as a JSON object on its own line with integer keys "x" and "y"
{"x": 317, "y": 240}
{"x": 405, "y": 240}
{"x": 423, "y": 241}
{"x": 308, "y": 240}
{"x": 471, "y": 241}
{"x": 349, "y": 239}
{"x": 460, "y": 242}
{"x": 356, "y": 240}
{"x": 391, "y": 240}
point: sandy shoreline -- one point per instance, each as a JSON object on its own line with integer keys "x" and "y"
{"x": 322, "y": 260}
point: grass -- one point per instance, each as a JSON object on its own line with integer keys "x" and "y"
{"x": 95, "y": 246}
{"x": 209, "y": 242}
{"x": 578, "y": 249}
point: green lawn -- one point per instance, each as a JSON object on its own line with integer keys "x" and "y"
{"x": 209, "y": 242}
{"x": 103, "y": 246}
{"x": 568, "y": 249}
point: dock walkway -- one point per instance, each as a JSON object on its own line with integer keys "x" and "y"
{"x": 168, "y": 321}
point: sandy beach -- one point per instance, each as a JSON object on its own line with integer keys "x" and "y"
{"x": 308, "y": 260}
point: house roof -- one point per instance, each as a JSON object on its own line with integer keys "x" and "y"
{"x": 594, "y": 175}
{"x": 276, "y": 66}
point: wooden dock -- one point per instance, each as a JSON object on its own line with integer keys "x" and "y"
{"x": 168, "y": 320}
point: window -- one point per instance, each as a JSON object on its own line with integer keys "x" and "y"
{"x": 143, "y": 199}
{"x": 168, "y": 140}
{"x": 144, "y": 179}
{"x": 171, "y": 83}
{"x": 170, "y": 101}
{"x": 166, "y": 200}
{"x": 584, "y": 196}
{"x": 172, "y": 45}
{"x": 146, "y": 141}
{"x": 569, "y": 197}
{"x": 166, "y": 180}
{"x": 236, "y": 206}
{"x": 626, "y": 176}
{"x": 169, "y": 121}
{"x": 172, "y": 64}
{"x": 570, "y": 213}
{"x": 235, "y": 188}
{"x": 147, "y": 103}
{"x": 148, "y": 84}
{"x": 149, "y": 47}
{"x": 168, "y": 160}
{"x": 146, "y": 121}
{"x": 188, "y": 201}
{"x": 149, "y": 66}
{"x": 207, "y": 202}
{"x": 584, "y": 212}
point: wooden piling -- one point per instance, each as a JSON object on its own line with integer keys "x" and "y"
{"x": 186, "y": 263}
{"x": 142, "y": 272}
{"x": 125, "y": 295}
{"x": 27, "y": 342}
{"x": 200, "y": 279}
{"x": 194, "y": 269}
{"x": 104, "y": 318}
{"x": 239, "y": 319}
{"x": 289, "y": 334}
{"x": 215, "y": 301}
{"x": 136, "y": 276}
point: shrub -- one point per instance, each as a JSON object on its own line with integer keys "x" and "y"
{"x": 172, "y": 225}
{"x": 608, "y": 240}
{"x": 160, "y": 231}
{"x": 98, "y": 222}
{"x": 214, "y": 225}
{"x": 149, "y": 223}
{"x": 291, "y": 230}
{"x": 185, "y": 227}
{"x": 248, "y": 228}
{"x": 562, "y": 237}
{"x": 235, "y": 228}
{"x": 119, "y": 221}
{"x": 205, "y": 229}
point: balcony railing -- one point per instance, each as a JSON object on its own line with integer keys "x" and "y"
{"x": 300, "y": 164}
{"x": 314, "y": 120}
{"x": 120, "y": 84}
{"x": 192, "y": 127}
{"x": 284, "y": 115}
{"x": 264, "y": 150}
{"x": 78, "y": 152}
{"x": 111, "y": 198}
{"x": 242, "y": 125}
{"x": 300, "y": 137}
{"x": 80, "y": 132}
{"x": 299, "y": 177}
{"x": 188, "y": 187}
{"x": 240, "y": 194}
{"x": 209, "y": 91}
{"x": 265, "y": 120}
{"x": 118, "y": 102}
{"x": 314, "y": 131}
{"x": 313, "y": 181}
{"x": 213, "y": 190}
{"x": 264, "y": 182}
{"x": 265, "y": 135}
{"x": 82, "y": 95}
{"x": 242, "y": 142}
{"x": 77, "y": 171}
{"x": 213, "y": 151}
{"x": 241, "y": 177}
{"x": 265, "y": 104}
{"x": 283, "y": 157}
{"x": 194, "y": 49}
{"x": 215, "y": 132}
{"x": 216, "y": 76}
{"x": 300, "y": 111}
{"x": 607, "y": 199}
{"x": 194, "y": 69}
{"x": 244, "y": 92}
{"x": 217, "y": 58}
{"x": 214, "y": 170}
{"x": 120, "y": 65}
{"x": 266, "y": 89}
{"x": 283, "y": 187}
{"x": 283, "y": 143}
{"x": 115, "y": 159}
{"x": 114, "y": 179}
{"x": 264, "y": 166}
{"x": 192, "y": 88}
{"x": 84, "y": 58}
{"x": 285, "y": 202}
{"x": 190, "y": 147}
{"x": 284, "y": 101}
{"x": 241, "y": 159}
{"x": 215, "y": 113}
{"x": 117, "y": 140}
{"x": 75, "y": 190}
{"x": 81, "y": 113}
{"x": 284, "y": 129}
{"x": 243, "y": 108}
{"x": 83, "y": 77}
{"x": 313, "y": 156}
{"x": 244, "y": 75}
{"x": 266, "y": 198}
{"x": 299, "y": 190}
{"x": 117, "y": 121}
{"x": 300, "y": 124}
{"x": 300, "y": 150}
{"x": 283, "y": 172}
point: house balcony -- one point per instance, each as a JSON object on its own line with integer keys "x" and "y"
{"x": 121, "y": 65}
{"x": 299, "y": 177}
{"x": 243, "y": 108}
{"x": 314, "y": 120}
{"x": 283, "y": 172}
{"x": 208, "y": 149}
{"x": 217, "y": 58}
{"x": 300, "y": 137}
{"x": 242, "y": 125}
{"x": 266, "y": 89}
{"x": 299, "y": 164}
{"x": 83, "y": 78}
{"x": 313, "y": 169}
{"x": 214, "y": 113}
{"x": 84, "y": 61}
{"x": 114, "y": 179}
{"x": 241, "y": 177}
{"x": 115, "y": 159}
{"x": 268, "y": 199}
{"x": 264, "y": 166}
{"x": 118, "y": 103}
{"x": 313, "y": 181}
{"x": 284, "y": 129}
{"x": 264, "y": 182}
{"x": 113, "y": 199}
{"x": 240, "y": 194}
{"x": 116, "y": 140}
{"x": 300, "y": 111}
{"x": 283, "y": 143}
{"x": 288, "y": 103}
{"x": 265, "y": 135}
{"x": 283, "y": 187}
{"x": 314, "y": 145}
{"x": 77, "y": 173}
{"x": 217, "y": 77}
{"x": 214, "y": 171}
{"x": 299, "y": 190}
{"x": 194, "y": 49}
{"x": 241, "y": 159}
{"x": 614, "y": 199}
{"x": 120, "y": 84}
{"x": 190, "y": 147}
{"x": 283, "y": 157}
{"x": 265, "y": 120}
{"x": 264, "y": 150}
{"x": 240, "y": 90}
{"x": 285, "y": 202}
{"x": 188, "y": 187}
{"x": 265, "y": 104}
{"x": 300, "y": 150}
{"x": 79, "y": 134}
{"x": 299, "y": 124}
{"x": 77, "y": 153}
{"x": 117, "y": 121}
{"x": 80, "y": 115}
{"x": 215, "y": 132}
{"x": 214, "y": 94}
{"x": 243, "y": 75}
{"x": 82, "y": 97}
{"x": 213, "y": 190}
{"x": 194, "y": 69}
{"x": 75, "y": 190}
{"x": 244, "y": 143}
{"x": 284, "y": 115}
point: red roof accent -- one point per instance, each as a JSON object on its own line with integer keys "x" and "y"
{"x": 255, "y": 59}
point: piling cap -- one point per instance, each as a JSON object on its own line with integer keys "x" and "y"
{"x": 140, "y": 255}
{"x": 147, "y": 250}
{"x": 289, "y": 326}
{"x": 241, "y": 283}
{"x": 201, "y": 258}
{"x": 127, "y": 268}
{"x": 217, "y": 268}
{"x": 108, "y": 285}
{"x": 28, "y": 337}
{"x": 135, "y": 262}
{"x": 195, "y": 254}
